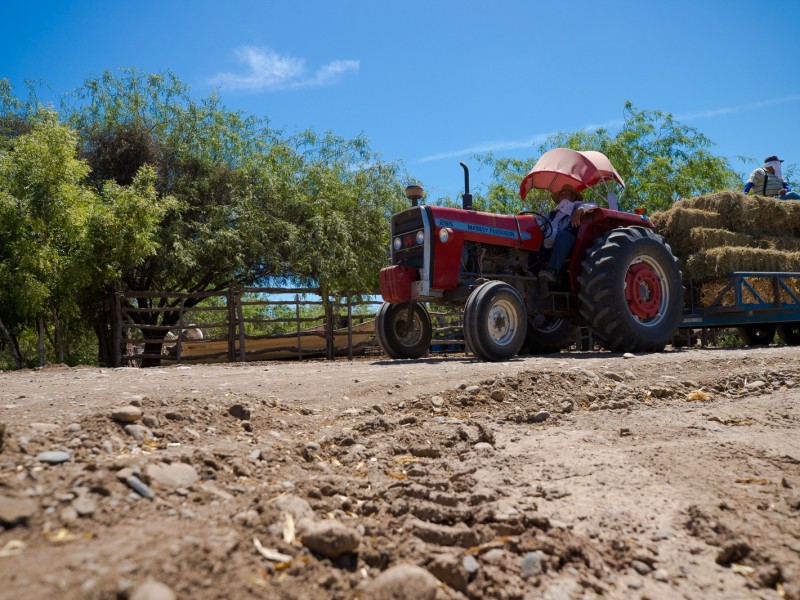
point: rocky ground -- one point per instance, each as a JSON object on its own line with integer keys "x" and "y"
{"x": 671, "y": 475}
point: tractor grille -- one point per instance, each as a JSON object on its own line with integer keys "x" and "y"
{"x": 405, "y": 225}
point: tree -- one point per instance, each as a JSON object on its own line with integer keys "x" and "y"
{"x": 249, "y": 203}
{"x": 660, "y": 159}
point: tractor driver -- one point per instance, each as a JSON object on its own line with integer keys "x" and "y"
{"x": 565, "y": 220}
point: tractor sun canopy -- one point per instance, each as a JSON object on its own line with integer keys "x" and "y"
{"x": 563, "y": 166}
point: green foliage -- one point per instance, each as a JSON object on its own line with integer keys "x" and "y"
{"x": 660, "y": 159}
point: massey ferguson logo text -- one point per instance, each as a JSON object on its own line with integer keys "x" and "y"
{"x": 485, "y": 229}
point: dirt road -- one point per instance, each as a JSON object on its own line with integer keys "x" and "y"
{"x": 672, "y": 475}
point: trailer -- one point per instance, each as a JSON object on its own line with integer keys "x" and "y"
{"x": 757, "y": 304}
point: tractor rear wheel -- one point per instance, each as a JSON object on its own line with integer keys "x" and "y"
{"x": 547, "y": 335}
{"x": 630, "y": 290}
{"x": 790, "y": 333}
{"x": 758, "y": 335}
{"x": 495, "y": 321}
{"x": 400, "y": 337}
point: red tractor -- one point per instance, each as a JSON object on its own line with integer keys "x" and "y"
{"x": 621, "y": 279}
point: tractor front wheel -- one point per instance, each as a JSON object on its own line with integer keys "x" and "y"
{"x": 400, "y": 336}
{"x": 630, "y": 290}
{"x": 495, "y": 321}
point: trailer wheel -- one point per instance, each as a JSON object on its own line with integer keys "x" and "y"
{"x": 757, "y": 335}
{"x": 547, "y": 335}
{"x": 630, "y": 290}
{"x": 495, "y": 321}
{"x": 400, "y": 338}
{"x": 790, "y": 333}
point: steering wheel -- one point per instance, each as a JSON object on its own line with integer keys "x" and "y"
{"x": 546, "y": 225}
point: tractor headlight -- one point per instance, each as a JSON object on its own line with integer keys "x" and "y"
{"x": 420, "y": 237}
{"x": 397, "y": 243}
{"x": 444, "y": 234}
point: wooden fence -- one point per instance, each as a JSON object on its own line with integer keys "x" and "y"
{"x": 255, "y": 323}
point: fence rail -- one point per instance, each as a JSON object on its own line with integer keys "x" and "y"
{"x": 238, "y": 324}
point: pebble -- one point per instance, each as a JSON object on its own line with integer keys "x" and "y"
{"x": 470, "y": 564}
{"x": 331, "y": 538}
{"x": 540, "y": 417}
{"x": 628, "y": 355}
{"x": 473, "y": 389}
{"x": 567, "y": 406}
{"x": 498, "y": 395}
{"x": 138, "y": 486}
{"x": 437, "y": 402}
{"x": 614, "y": 376}
{"x": 402, "y": 582}
{"x": 379, "y": 409}
{"x": 137, "y": 432}
{"x": 53, "y": 457}
{"x": 126, "y": 414}
{"x": 152, "y": 590}
{"x": 483, "y": 446}
{"x": 240, "y": 412}
{"x": 641, "y": 567}
{"x": 661, "y": 575}
{"x": 84, "y": 506}
{"x": 531, "y": 565}
{"x": 173, "y": 476}
{"x": 73, "y": 427}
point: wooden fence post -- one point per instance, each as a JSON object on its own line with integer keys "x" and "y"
{"x": 299, "y": 337}
{"x": 240, "y": 313}
{"x": 231, "y": 325}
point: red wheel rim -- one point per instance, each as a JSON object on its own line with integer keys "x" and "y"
{"x": 643, "y": 291}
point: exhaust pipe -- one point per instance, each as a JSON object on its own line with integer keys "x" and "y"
{"x": 466, "y": 199}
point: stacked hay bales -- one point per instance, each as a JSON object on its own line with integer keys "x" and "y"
{"x": 719, "y": 233}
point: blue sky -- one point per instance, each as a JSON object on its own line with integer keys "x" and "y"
{"x": 432, "y": 82}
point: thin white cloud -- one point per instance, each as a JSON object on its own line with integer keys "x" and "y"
{"x": 268, "y": 70}
{"x": 541, "y": 137}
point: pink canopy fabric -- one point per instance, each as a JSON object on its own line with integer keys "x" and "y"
{"x": 563, "y": 166}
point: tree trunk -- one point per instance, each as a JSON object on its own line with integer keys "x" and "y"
{"x": 59, "y": 338}
{"x": 12, "y": 341}
{"x": 40, "y": 324}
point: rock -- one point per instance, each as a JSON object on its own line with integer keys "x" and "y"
{"x": 498, "y": 395}
{"x": 449, "y": 570}
{"x": 331, "y": 538}
{"x": 470, "y": 564}
{"x": 755, "y": 385}
{"x": 240, "y": 412}
{"x": 84, "y": 506}
{"x": 567, "y": 406}
{"x": 531, "y": 565}
{"x": 138, "y": 486}
{"x": 295, "y": 506}
{"x": 614, "y": 376}
{"x": 539, "y": 417}
{"x": 661, "y": 575}
{"x": 151, "y": 421}
{"x": 138, "y": 432}
{"x": 473, "y": 389}
{"x": 628, "y": 355}
{"x": 152, "y": 590}
{"x": 661, "y": 392}
{"x": 2, "y": 435}
{"x": 53, "y": 457}
{"x": 126, "y": 414}
{"x": 402, "y": 582}
{"x": 437, "y": 402}
{"x": 378, "y": 409}
{"x": 443, "y": 535}
{"x": 173, "y": 476}
{"x": 641, "y": 567}
{"x": 14, "y": 511}
{"x": 483, "y": 446}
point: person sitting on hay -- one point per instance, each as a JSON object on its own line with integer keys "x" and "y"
{"x": 767, "y": 181}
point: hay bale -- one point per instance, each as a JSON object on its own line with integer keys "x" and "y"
{"x": 757, "y": 215}
{"x": 716, "y": 262}
{"x": 676, "y": 225}
{"x": 704, "y": 238}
